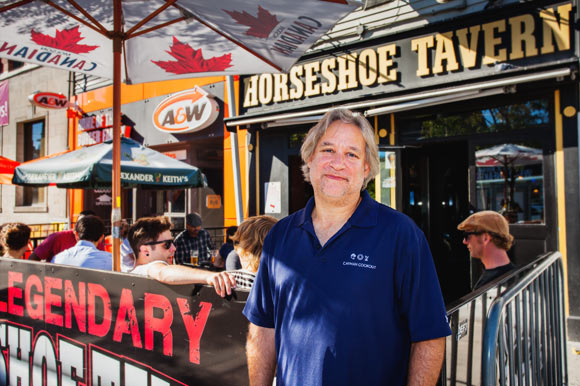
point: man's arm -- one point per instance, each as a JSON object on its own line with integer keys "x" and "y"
{"x": 34, "y": 257}
{"x": 44, "y": 251}
{"x": 261, "y": 355}
{"x": 425, "y": 362}
{"x": 222, "y": 282}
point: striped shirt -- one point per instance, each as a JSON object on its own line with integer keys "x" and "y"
{"x": 244, "y": 279}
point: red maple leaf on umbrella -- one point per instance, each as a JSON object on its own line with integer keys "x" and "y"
{"x": 66, "y": 40}
{"x": 260, "y": 26}
{"x": 190, "y": 60}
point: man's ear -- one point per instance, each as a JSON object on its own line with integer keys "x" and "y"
{"x": 486, "y": 238}
{"x": 142, "y": 249}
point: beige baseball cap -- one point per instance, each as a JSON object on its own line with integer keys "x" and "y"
{"x": 487, "y": 221}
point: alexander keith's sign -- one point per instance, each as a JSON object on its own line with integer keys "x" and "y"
{"x": 466, "y": 51}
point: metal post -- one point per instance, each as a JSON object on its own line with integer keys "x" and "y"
{"x": 116, "y": 172}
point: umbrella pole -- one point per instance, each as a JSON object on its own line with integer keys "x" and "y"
{"x": 116, "y": 173}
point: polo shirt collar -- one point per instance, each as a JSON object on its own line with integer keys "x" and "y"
{"x": 365, "y": 215}
{"x": 85, "y": 243}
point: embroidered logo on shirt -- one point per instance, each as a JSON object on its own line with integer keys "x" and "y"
{"x": 359, "y": 260}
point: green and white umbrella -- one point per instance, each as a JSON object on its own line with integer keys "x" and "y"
{"x": 91, "y": 167}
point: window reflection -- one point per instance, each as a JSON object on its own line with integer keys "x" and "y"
{"x": 387, "y": 178}
{"x": 510, "y": 180}
{"x": 525, "y": 115}
{"x": 32, "y": 145}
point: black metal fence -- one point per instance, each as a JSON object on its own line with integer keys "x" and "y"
{"x": 511, "y": 331}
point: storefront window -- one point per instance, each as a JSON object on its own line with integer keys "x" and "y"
{"x": 386, "y": 188}
{"x": 32, "y": 146}
{"x": 510, "y": 180}
{"x": 174, "y": 206}
{"x": 525, "y": 115}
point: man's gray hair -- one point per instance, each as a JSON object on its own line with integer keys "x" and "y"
{"x": 346, "y": 116}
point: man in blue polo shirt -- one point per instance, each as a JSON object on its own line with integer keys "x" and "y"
{"x": 346, "y": 292}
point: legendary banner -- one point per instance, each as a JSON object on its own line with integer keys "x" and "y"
{"x": 68, "y": 326}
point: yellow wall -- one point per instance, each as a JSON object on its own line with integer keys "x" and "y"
{"x": 229, "y": 192}
{"x": 103, "y": 98}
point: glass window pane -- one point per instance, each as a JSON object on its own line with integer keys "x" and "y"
{"x": 387, "y": 178}
{"x": 34, "y": 146}
{"x": 510, "y": 180}
{"x": 528, "y": 115}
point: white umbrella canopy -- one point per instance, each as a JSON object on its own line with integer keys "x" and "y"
{"x": 165, "y": 39}
{"x": 508, "y": 154}
{"x": 152, "y": 40}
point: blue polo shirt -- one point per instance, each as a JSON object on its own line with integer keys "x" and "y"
{"x": 347, "y": 313}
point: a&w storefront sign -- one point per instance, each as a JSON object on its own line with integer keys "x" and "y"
{"x": 186, "y": 112}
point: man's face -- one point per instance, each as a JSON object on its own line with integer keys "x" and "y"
{"x": 193, "y": 231}
{"x": 474, "y": 244}
{"x": 159, "y": 252}
{"x": 338, "y": 165}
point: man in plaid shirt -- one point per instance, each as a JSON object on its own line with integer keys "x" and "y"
{"x": 193, "y": 238}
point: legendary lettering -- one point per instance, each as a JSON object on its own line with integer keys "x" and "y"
{"x": 88, "y": 308}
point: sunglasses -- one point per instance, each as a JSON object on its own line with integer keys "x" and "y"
{"x": 467, "y": 234}
{"x": 166, "y": 243}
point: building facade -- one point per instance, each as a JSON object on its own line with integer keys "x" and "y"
{"x": 153, "y": 114}
{"x": 32, "y": 132}
{"x": 474, "y": 105}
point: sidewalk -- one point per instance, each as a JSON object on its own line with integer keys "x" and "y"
{"x": 573, "y": 363}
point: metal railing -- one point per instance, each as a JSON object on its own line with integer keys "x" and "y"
{"x": 472, "y": 321}
{"x": 525, "y": 334}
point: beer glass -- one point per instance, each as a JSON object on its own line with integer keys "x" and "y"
{"x": 195, "y": 257}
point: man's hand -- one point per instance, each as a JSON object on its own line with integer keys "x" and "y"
{"x": 222, "y": 282}
{"x": 425, "y": 362}
{"x": 261, "y": 355}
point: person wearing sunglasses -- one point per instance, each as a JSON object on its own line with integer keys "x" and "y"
{"x": 487, "y": 236}
{"x": 153, "y": 245}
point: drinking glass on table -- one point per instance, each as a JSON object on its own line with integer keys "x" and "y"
{"x": 195, "y": 257}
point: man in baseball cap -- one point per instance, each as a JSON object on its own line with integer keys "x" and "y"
{"x": 193, "y": 238}
{"x": 487, "y": 236}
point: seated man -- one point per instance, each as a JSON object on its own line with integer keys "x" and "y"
{"x": 193, "y": 239}
{"x": 151, "y": 241}
{"x": 59, "y": 241}
{"x": 90, "y": 232}
{"x": 487, "y": 236}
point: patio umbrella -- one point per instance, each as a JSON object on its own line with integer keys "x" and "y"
{"x": 7, "y": 170}
{"x": 90, "y": 168}
{"x": 508, "y": 156}
{"x": 162, "y": 39}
